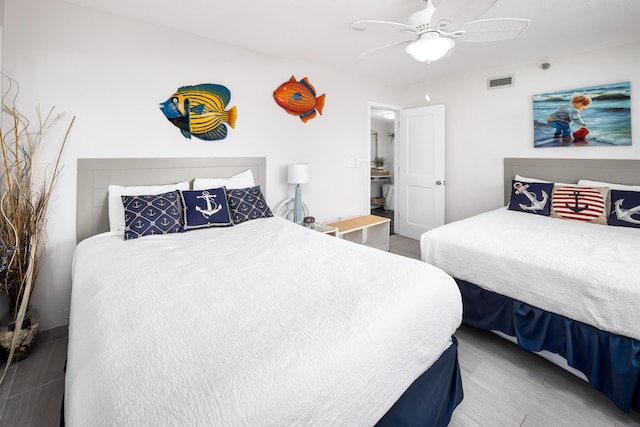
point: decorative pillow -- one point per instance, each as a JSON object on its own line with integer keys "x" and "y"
{"x": 611, "y": 185}
{"x": 625, "y": 208}
{"x": 151, "y": 214}
{"x": 580, "y": 203}
{"x": 531, "y": 197}
{"x": 241, "y": 180}
{"x": 247, "y": 204}
{"x": 205, "y": 208}
{"x": 116, "y": 210}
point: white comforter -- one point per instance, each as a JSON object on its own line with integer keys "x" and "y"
{"x": 586, "y": 272}
{"x": 262, "y": 324}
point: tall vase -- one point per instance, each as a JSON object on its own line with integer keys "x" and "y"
{"x": 26, "y": 335}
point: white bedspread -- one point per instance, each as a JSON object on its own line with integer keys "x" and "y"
{"x": 262, "y": 324}
{"x": 586, "y": 272}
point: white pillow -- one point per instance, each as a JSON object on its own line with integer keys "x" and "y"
{"x": 525, "y": 179}
{"x": 241, "y": 180}
{"x": 116, "y": 208}
{"x": 589, "y": 183}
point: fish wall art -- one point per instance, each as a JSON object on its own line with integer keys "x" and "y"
{"x": 299, "y": 99}
{"x": 199, "y": 111}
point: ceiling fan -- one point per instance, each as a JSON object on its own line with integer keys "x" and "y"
{"x": 429, "y": 41}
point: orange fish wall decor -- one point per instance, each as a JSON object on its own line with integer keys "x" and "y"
{"x": 299, "y": 99}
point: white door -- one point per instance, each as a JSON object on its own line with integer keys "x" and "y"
{"x": 419, "y": 171}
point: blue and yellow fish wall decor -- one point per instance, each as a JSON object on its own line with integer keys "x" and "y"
{"x": 200, "y": 111}
{"x": 299, "y": 98}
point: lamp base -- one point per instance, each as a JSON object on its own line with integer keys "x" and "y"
{"x": 297, "y": 210}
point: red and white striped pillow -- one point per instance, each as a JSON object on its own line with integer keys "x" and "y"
{"x": 580, "y": 203}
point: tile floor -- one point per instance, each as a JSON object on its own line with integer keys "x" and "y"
{"x": 503, "y": 385}
{"x": 31, "y": 393}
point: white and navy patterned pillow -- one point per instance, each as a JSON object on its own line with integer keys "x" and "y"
{"x": 625, "y": 209}
{"x": 151, "y": 214}
{"x": 531, "y": 197}
{"x": 205, "y": 208}
{"x": 247, "y": 204}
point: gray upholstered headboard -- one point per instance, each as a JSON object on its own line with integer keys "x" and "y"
{"x": 620, "y": 171}
{"x": 95, "y": 176}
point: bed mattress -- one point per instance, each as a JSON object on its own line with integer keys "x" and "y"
{"x": 586, "y": 272}
{"x": 262, "y": 323}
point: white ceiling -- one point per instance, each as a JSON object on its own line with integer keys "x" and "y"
{"x": 318, "y": 31}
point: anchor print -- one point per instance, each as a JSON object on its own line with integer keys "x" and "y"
{"x": 626, "y": 214}
{"x": 536, "y": 204}
{"x": 576, "y": 207}
{"x": 212, "y": 206}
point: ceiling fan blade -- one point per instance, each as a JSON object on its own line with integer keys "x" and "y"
{"x": 364, "y": 24}
{"x": 370, "y": 51}
{"x": 460, "y": 11}
{"x": 491, "y": 30}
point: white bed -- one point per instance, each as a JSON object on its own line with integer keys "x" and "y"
{"x": 555, "y": 264}
{"x": 564, "y": 288}
{"x": 262, "y": 323}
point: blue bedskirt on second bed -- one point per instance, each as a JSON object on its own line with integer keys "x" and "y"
{"x": 610, "y": 362}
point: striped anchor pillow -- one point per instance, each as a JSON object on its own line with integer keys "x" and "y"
{"x": 580, "y": 203}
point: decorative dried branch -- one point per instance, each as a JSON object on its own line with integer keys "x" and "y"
{"x": 24, "y": 202}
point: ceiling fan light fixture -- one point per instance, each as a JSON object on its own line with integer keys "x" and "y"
{"x": 429, "y": 49}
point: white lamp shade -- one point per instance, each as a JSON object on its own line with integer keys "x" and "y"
{"x": 428, "y": 49}
{"x": 298, "y": 173}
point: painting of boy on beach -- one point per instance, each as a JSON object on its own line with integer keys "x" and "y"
{"x": 591, "y": 116}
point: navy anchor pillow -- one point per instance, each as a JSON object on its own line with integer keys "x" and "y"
{"x": 531, "y": 197}
{"x": 205, "y": 208}
{"x": 156, "y": 214}
{"x": 625, "y": 209}
{"x": 247, "y": 204}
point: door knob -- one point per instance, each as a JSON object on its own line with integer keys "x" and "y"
{"x": 438, "y": 182}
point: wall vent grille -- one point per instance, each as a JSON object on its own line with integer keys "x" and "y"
{"x": 500, "y": 82}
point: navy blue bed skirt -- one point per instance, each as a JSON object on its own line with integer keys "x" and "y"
{"x": 610, "y": 362}
{"x": 432, "y": 398}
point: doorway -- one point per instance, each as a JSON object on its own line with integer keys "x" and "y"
{"x": 412, "y": 144}
{"x": 382, "y": 158}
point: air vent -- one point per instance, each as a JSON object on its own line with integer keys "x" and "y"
{"x": 500, "y": 82}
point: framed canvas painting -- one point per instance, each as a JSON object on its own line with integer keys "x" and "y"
{"x": 590, "y": 116}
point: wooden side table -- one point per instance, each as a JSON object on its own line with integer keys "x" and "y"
{"x": 370, "y": 230}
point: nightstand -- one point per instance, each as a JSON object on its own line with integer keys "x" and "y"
{"x": 370, "y": 230}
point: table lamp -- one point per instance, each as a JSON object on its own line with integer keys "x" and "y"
{"x": 298, "y": 173}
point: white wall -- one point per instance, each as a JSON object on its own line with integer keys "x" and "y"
{"x": 112, "y": 72}
{"x": 484, "y": 126}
